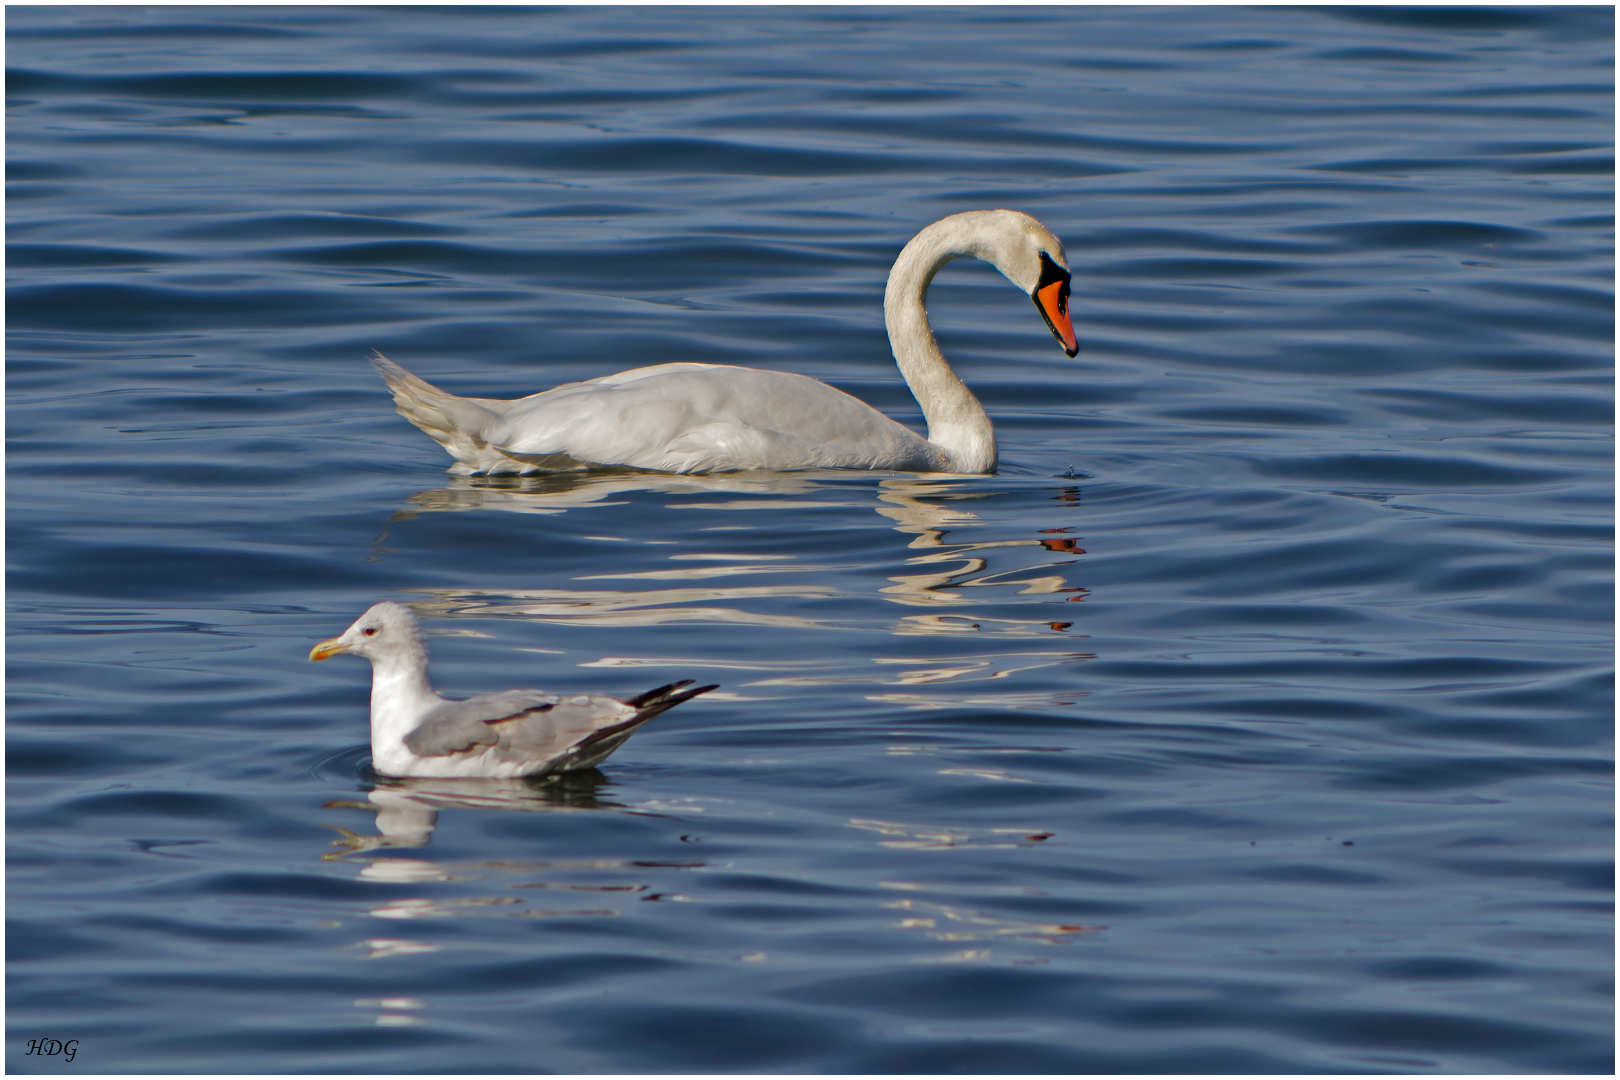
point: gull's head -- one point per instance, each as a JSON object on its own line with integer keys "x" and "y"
{"x": 385, "y": 627}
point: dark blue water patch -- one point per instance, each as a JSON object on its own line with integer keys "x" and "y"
{"x": 123, "y": 30}
{"x": 23, "y": 192}
{"x": 579, "y": 210}
{"x": 1187, "y": 269}
{"x": 1534, "y": 147}
{"x": 300, "y": 226}
{"x": 1025, "y": 994}
{"x": 159, "y": 928}
{"x": 1111, "y": 63}
{"x": 43, "y": 757}
{"x": 298, "y": 886}
{"x": 1467, "y": 19}
{"x": 1117, "y": 239}
{"x": 1235, "y": 45}
{"x": 667, "y": 155}
{"x": 20, "y": 169}
{"x": 982, "y": 1054}
{"x": 639, "y": 268}
{"x": 1597, "y": 876}
{"x": 1585, "y": 221}
{"x": 573, "y": 106}
{"x": 134, "y": 571}
{"x": 355, "y": 1040}
{"x": 1311, "y": 874}
{"x": 1432, "y": 1032}
{"x": 1436, "y": 968}
{"x": 222, "y": 89}
{"x": 49, "y": 256}
{"x": 1588, "y": 692}
{"x": 946, "y": 128}
{"x": 164, "y": 804}
{"x": 708, "y": 1038}
{"x": 122, "y": 308}
{"x": 1581, "y": 166}
{"x": 1455, "y": 406}
{"x": 577, "y": 971}
{"x": 1464, "y": 237}
{"x": 1386, "y": 773}
{"x": 1389, "y": 56}
{"x": 1262, "y": 416}
{"x": 1411, "y": 472}
{"x": 1561, "y": 296}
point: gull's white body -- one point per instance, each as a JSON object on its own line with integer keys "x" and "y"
{"x": 417, "y": 732}
{"x": 695, "y": 418}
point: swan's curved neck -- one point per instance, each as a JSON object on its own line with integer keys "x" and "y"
{"x": 957, "y": 423}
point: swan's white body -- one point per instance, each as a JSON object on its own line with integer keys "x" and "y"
{"x": 695, "y": 418}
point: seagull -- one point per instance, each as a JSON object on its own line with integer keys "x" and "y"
{"x": 417, "y": 732}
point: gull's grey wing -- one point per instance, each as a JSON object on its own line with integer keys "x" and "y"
{"x": 462, "y": 725}
{"x": 541, "y": 732}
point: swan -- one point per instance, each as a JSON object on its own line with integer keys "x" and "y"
{"x": 416, "y": 732}
{"x": 699, "y": 418}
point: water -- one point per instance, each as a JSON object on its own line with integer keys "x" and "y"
{"x": 1254, "y": 718}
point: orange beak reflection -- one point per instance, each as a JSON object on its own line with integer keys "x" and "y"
{"x": 1053, "y": 300}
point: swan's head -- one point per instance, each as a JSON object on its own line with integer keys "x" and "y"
{"x": 1027, "y": 254}
{"x": 384, "y": 629}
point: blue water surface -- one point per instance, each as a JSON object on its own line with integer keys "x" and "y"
{"x": 1254, "y": 718}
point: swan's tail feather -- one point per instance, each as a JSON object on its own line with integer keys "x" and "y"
{"x": 455, "y": 423}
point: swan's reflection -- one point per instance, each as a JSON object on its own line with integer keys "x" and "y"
{"x": 954, "y": 558}
{"x": 927, "y": 508}
{"x": 911, "y": 507}
{"x": 556, "y": 493}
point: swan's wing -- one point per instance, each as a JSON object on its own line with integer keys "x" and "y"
{"x": 708, "y": 418}
{"x": 538, "y": 731}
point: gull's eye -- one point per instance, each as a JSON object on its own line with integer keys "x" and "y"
{"x": 368, "y": 631}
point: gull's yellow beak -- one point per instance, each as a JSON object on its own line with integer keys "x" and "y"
{"x": 327, "y": 648}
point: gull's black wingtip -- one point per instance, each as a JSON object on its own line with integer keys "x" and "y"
{"x": 641, "y": 701}
{"x": 667, "y": 697}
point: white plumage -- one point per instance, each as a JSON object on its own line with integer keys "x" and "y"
{"x": 417, "y": 732}
{"x": 697, "y": 418}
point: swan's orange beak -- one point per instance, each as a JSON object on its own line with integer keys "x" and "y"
{"x": 326, "y": 649}
{"x": 1053, "y": 301}
{"x": 1051, "y": 295}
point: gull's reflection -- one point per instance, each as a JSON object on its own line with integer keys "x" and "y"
{"x": 407, "y": 813}
{"x": 407, "y": 808}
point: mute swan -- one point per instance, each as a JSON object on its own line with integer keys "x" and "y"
{"x": 415, "y": 732}
{"x": 696, "y": 418}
